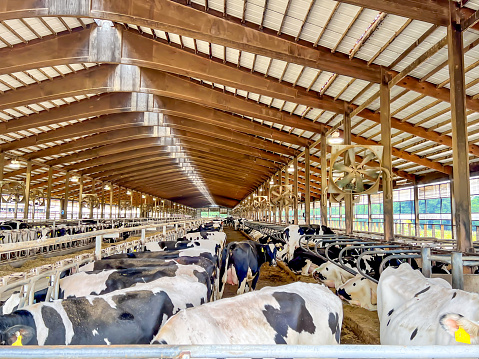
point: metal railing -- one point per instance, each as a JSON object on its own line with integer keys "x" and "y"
{"x": 240, "y": 351}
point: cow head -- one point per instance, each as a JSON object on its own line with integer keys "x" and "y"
{"x": 359, "y": 291}
{"x": 331, "y": 275}
{"x": 270, "y": 253}
{"x": 463, "y": 329}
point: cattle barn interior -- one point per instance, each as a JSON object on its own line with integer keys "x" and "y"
{"x": 301, "y": 127}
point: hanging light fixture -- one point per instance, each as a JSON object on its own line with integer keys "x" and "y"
{"x": 335, "y": 139}
{"x": 272, "y": 181}
{"x": 143, "y": 196}
{"x": 128, "y": 192}
{"x": 290, "y": 169}
{"x": 15, "y": 163}
{"x": 107, "y": 187}
{"x": 74, "y": 178}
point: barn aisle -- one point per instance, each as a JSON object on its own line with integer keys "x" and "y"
{"x": 275, "y": 276}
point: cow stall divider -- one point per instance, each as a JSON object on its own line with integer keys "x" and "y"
{"x": 403, "y": 247}
{"x": 238, "y": 351}
{"x": 26, "y": 282}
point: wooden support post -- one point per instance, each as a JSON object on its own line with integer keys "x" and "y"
{"x": 49, "y": 192}
{"x": 28, "y": 179}
{"x": 348, "y": 198}
{"x": 416, "y": 209}
{"x": 307, "y": 189}
{"x": 65, "y": 201}
{"x": 118, "y": 202}
{"x": 286, "y": 182}
{"x": 131, "y": 202}
{"x": 111, "y": 200}
{"x": 2, "y": 168}
{"x": 370, "y": 217}
{"x": 460, "y": 145}
{"x": 324, "y": 179}
{"x": 102, "y": 214}
{"x": 80, "y": 197}
{"x": 93, "y": 191}
{"x": 385, "y": 114}
{"x": 295, "y": 190}
{"x": 280, "y": 207}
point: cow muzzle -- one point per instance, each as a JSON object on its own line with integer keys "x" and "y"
{"x": 343, "y": 294}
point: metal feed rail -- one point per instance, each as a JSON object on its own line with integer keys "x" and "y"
{"x": 418, "y": 248}
{"x": 239, "y": 351}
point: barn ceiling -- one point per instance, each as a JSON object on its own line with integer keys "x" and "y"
{"x": 137, "y": 94}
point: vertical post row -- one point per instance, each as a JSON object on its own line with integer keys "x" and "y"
{"x": 286, "y": 183}
{"x": 2, "y": 167}
{"x": 307, "y": 188}
{"x": 49, "y": 192}
{"x": 111, "y": 200}
{"x": 27, "y": 189}
{"x": 385, "y": 115}
{"x": 460, "y": 145}
{"x": 324, "y": 179}
{"x": 348, "y": 198}
{"x": 65, "y": 201}
{"x": 295, "y": 189}
{"x": 80, "y": 198}
{"x": 416, "y": 209}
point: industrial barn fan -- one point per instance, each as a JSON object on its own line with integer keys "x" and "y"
{"x": 90, "y": 201}
{"x": 348, "y": 175}
{"x": 281, "y": 195}
{"x": 12, "y": 191}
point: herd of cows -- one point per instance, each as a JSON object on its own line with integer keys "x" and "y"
{"x": 171, "y": 293}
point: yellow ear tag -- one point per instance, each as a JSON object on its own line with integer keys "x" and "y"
{"x": 262, "y": 249}
{"x": 462, "y": 336}
{"x": 18, "y": 342}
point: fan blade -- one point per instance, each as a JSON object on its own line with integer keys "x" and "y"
{"x": 341, "y": 167}
{"x": 359, "y": 183}
{"x": 366, "y": 159}
{"x": 345, "y": 180}
{"x": 351, "y": 155}
{"x": 370, "y": 173}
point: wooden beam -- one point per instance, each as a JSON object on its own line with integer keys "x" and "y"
{"x": 461, "y": 187}
{"x": 433, "y": 11}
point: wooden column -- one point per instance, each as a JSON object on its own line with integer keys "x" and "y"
{"x": 370, "y": 218}
{"x": 460, "y": 145}
{"x": 416, "y": 208}
{"x": 307, "y": 188}
{"x": 102, "y": 211}
{"x": 286, "y": 182}
{"x": 131, "y": 202}
{"x": 80, "y": 195}
{"x": 324, "y": 179}
{"x": 93, "y": 191}
{"x": 119, "y": 198}
{"x": 385, "y": 114}
{"x": 28, "y": 179}
{"x": 65, "y": 200}
{"x": 348, "y": 198}
{"x": 280, "y": 207}
{"x": 453, "y": 211}
{"x": 49, "y": 192}
{"x": 2, "y": 168}
{"x": 295, "y": 189}
{"x": 111, "y": 200}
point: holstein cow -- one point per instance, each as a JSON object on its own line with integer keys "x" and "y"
{"x": 359, "y": 291}
{"x": 241, "y": 264}
{"x": 106, "y": 281}
{"x": 124, "y": 263}
{"x": 414, "y": 310}
{"x": 291, "y": 235}
{"x": 130, "y": 316}
{"x": 295, "y": 314}
{"x": 331, "y": 275}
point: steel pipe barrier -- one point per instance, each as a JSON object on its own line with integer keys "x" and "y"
{"x": 239, "y": 351}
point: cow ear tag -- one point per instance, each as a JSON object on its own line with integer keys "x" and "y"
{"x": 18, "y": 342}
{"x": 462, "y": 336}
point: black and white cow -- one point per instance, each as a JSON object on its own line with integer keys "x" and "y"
{"x": 359, "y": 291}
{"x": 414, "y": 310}
{"x": 295, "y": 314}
{"x": 130, "y": 316}
{"x": 241, "y": 264}
{"x": 106, "y": 281}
